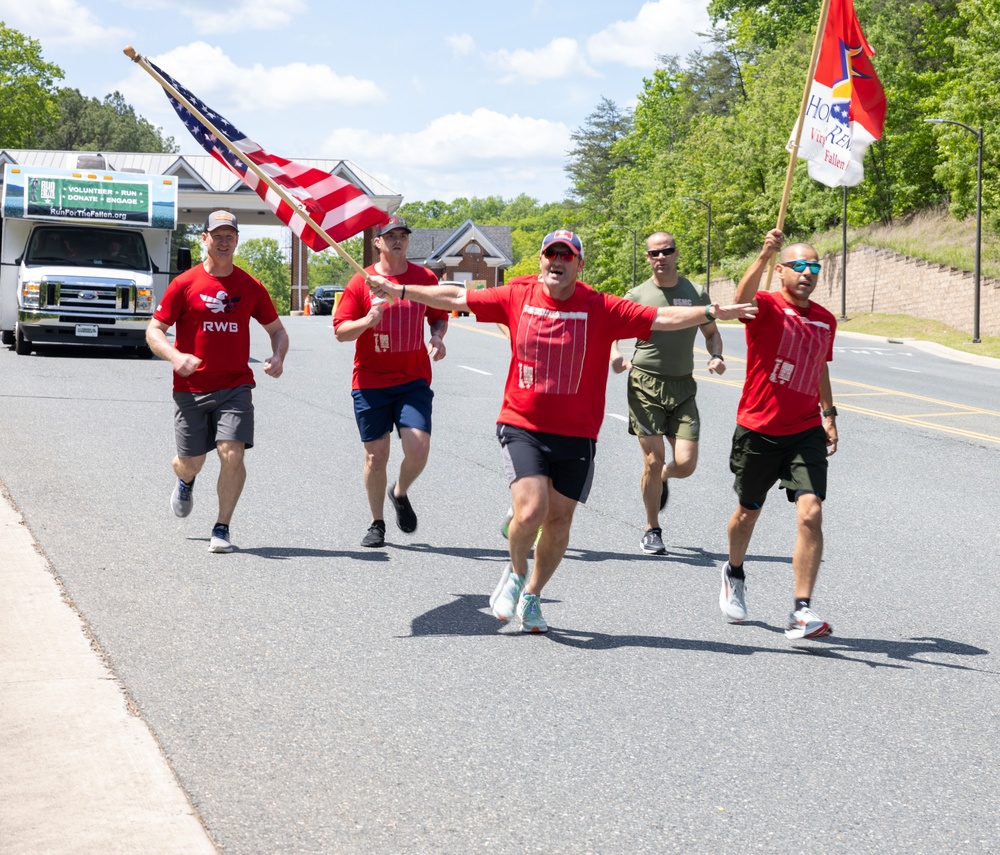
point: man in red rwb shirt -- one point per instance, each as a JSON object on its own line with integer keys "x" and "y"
{"x": 561, "y": 332}
{"x": 391, "y": 383}
{"x": 786, "y": 425}
{"x": 210, "y": 307}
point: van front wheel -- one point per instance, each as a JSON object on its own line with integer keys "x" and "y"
{"x": 21, "y": 344}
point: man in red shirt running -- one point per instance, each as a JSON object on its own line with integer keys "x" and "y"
{"x": 561, "y": 332}
{"x": 210, "y": 307}
{"x": 391, "y": 383}
{"x": 786, "y": 425}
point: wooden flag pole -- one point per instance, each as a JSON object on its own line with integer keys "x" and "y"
{"x": 794, "y": 153}
{"x": 137, "y": 58}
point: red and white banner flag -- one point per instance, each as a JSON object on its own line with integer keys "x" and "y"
{"x": 845, "y": 111}
{"x": 336, "y": 205}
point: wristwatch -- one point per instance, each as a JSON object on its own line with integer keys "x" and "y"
{"x": 831, "y": 412}
{"x": 716, "y": 356}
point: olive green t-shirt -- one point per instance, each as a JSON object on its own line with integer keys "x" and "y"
{"x": 667, "y": 353}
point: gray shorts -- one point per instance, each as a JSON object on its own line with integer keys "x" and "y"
{"x": 203, "y": 418}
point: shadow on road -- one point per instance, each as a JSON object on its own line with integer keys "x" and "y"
{"x": 468, "y": 615}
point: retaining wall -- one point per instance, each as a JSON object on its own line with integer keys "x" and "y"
{"x": 882, "y": 281}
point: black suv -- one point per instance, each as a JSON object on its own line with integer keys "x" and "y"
{"x": 323, "y": 298}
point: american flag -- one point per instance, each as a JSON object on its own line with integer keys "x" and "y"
{"x": 336, "y": 205}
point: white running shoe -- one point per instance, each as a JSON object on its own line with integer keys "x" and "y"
{"x": 220, "y": 540}
{"x": 504, "y": 599}
{"x": 529, "y": 610}
{"x": 805, "y": 623}
{"x": 733, "y": 596}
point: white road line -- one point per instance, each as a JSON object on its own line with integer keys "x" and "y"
{"x": 911, "y": 370}
{"x": 616, "y": 416}
{"x": 475, "y": 370}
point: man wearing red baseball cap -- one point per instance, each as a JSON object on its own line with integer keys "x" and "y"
{"x": 561, "y": 332}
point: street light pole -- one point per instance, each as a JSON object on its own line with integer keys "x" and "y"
{"x": 978, "y": 133}
{"x": 634, "y": 241}
{"x": 708, "y": 240}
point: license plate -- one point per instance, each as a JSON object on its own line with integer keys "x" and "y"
{"x": 88, "y": 330}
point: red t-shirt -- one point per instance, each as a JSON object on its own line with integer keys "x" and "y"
{"x": 558, "y": 375}
{"x": 787, "y": 348}
{"x": 394, "y": 352}
{"x": 211, "y": 316}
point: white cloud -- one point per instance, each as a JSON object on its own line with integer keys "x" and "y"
{"x": 236, "y": 16}
{"x": 559, "y": 59}
{"x": 461, "y": 45}
{"x": 58, "y": 22}
{"x": 463, "y": 154}
{"x": 662, "y": 27}
{"x": 231, "y": 89}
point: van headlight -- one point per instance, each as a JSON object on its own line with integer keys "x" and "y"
{"x": 31, "y": 295}
{"x": 144, "y": 299}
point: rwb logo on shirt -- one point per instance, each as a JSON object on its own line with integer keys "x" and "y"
{"x": 222, "y": 304}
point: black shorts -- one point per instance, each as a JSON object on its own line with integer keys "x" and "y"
{"x": 568, "y": 461}
{"x": 758, "y": 460}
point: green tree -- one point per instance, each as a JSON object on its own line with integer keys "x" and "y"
{"x": 968, "y": 94}
{"x": 28, "y": 103}
{"x": 262, "y": 258}
{"x": 108, "y": 125}
{"x": 597, "y": 154}
{"x": 328, "y": 268}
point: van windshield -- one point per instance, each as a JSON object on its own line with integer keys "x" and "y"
{"x": 82, "y": 246}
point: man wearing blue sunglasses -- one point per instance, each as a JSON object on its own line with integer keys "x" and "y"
{"x": 786, "y": 424}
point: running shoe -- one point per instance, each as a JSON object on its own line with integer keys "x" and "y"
{"x": 805, "y": 623}
{"x": 406, "y": 519}
{"x": 733, "y": 596}
{"x": 505, "y": 527}
{"x": 220, "y": 539}
{"x": 652, "y": 542}
{"x": 664, "y": 495}
{"x": 504, "y": 599}
{"x": 529, "y": 610}
{"x": 182, "y": 499}
{"x": 375, "y": 536}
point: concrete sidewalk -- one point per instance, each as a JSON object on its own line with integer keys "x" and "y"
{"x": 79, "y": 773}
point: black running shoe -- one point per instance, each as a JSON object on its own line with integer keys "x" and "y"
{"x": 664, "y": 495}
{"x": 406, "y": 519}
{"x": 375, "y": 536}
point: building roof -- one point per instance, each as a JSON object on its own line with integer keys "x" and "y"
{"x": 204, "y": 184}
{"x": 434, "y": 245}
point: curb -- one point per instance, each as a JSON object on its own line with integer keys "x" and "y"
{"x": 82, "y": 773}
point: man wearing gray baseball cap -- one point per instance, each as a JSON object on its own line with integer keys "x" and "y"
{"x": 210, "y": 307}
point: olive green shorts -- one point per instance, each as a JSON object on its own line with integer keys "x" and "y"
{"x": 662, "y": 406}
{"x": 758, "y": 460}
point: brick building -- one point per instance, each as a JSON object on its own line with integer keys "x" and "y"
{"x": 476, "y": 256}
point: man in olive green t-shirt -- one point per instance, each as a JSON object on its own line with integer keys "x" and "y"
{"x": 661, "y": 385}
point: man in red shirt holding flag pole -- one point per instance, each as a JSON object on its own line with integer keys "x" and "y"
{"x": 786, "y": 420}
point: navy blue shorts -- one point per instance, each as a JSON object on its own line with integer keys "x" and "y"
{"x": 567, "y": 461}
{"x": 405, "y": 406}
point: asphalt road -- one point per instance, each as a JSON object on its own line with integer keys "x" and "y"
{"x": 313, "y": 696}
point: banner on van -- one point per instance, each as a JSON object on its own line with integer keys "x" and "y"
{"x": 44, "y": 193}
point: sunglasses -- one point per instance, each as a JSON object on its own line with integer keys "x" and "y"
{"x": 799, "y": 265}
{"x": 561, "y": 254}
{"x": 656, "y": 253}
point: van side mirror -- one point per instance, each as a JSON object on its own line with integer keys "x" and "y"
{"x": 183, "y": 258}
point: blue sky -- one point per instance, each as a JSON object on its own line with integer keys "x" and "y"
{"x": 437, "y": 99}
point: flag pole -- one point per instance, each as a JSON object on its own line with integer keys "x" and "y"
{"x": 794, "y": 152}
{"x": 287, "y": 198}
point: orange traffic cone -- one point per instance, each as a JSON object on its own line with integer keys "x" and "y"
{"x": 307, "y": 310}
